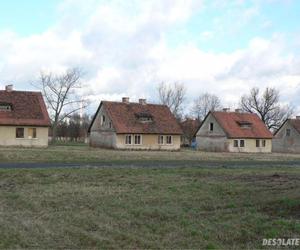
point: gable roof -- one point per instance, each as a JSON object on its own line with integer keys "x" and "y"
{"x": 27, "y": 109}
{"x": 125, "y": 118}
{"x": 232, "y": 124}
{"x": 294, "y": 122}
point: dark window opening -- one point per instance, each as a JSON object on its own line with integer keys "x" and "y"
{"x": 19, "y": 132}
{"x": 235, "y": 143}
{"x": 257, "y": 143}
{"x": 211, "y": 126}
{"x": 288, "y": 132}
{"x": 242, "y": 143}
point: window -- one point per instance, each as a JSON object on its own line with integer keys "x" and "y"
{"x": 160, "y": 139}
{"x": 31, "y": 133}
{"x": 5, "y": 107}
{"x": 235, "y": 143}
{"x": 169, "y": 139}
{"x": 242, "y": 143}
{"x": 110, "y": 126}
{"x": 137, "y": 139}
{"x": 264, "y": 143}
{"x": 211, "y": 126}
{"x": 128, "y": 139}
{"x": 288, "y": 132}
{"x": 102, "y": 121}
{"x": 257, "y": 143}
{"x": 19, "y": 132}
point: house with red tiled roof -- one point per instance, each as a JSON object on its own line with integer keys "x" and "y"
{"x": 189, "y": 128}
{"x": 226, "y": 131}
{"x": 287, "y": 137}
{"x": 130, "y": 125}
{"x": 24, "y": 120}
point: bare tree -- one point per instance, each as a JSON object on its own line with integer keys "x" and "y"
{"x": 266, "y": 106}
{"x": 205, "y": 103}
{"x": 60, "y": 93}
{"x": 172, "y": 95}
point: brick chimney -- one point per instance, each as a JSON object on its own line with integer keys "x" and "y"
{"x": 238, "y": 110}
{"x": 9, "y": 87}
{"x": 142, "y": 101}
{"x": 125, "y": 100}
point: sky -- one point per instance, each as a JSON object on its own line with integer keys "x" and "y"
{"x": 126, "y": 48}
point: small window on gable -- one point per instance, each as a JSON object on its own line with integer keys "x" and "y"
{"x": 211, "y": 126}
{"x": 19, "y": 132}
{"x": 110, "y": 125}
{"x": 288, "y": 132}
{"x": 102, "y": 120}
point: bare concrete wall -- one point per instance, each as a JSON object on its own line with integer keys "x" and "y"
{"x": 215, "y": 141}
{"x": 8, "y": 137}
{"x": 287, "y": 144}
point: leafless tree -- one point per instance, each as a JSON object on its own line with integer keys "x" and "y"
{"x": 172, "y": 95}
{"x": 267, "y": 107}
{"x": 61, "y": 95}
{"x": 205, "y": 103}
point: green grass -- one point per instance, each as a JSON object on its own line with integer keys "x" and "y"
{"x": 85, "y": 154}
{"x": 148, "y": 207}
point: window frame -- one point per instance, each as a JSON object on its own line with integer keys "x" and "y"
{"x": 288, "y": 132}
{"x": 263, "y": 143}
{"x": 134, "y": 139}
{"x": 23, "y": 129}
{"x": 170, "y": 136}
{"x": 242, "y": 145}
{"x": 126, "y": 141}
{"x": 235, "y": 143}
{"x": 160, "y": 142}
{"x": 257, "y": 143}
{"x": 34, "y": 133}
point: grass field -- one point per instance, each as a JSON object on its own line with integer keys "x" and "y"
{"x": 147, "y": 207}
{"x": 85, "y": 154}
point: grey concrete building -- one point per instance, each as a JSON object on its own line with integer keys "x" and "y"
{"x": 287, "y": 137}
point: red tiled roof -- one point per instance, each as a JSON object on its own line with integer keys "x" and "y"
{"x": 296, "y": 124}
{"x": 28, "y": 109}
{"x": 232, "y": 122}
{"x": 125, "y": 118}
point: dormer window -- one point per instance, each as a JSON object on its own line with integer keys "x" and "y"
{"x": 244, "y": 124}
{"x": 5, "y": 107}
{"x": 144, "y": 117}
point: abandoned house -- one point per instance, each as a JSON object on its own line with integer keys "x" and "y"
{"x": 287, "y": 137}
{"x": 24, "y": 120}
{"x": 226, "y": 131}
{"x": 129, "y": 125}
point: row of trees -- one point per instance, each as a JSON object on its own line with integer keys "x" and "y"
{"x": 61, "y": 94}
{"x": 265, "y": 104}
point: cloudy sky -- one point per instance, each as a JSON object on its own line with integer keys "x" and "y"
{"x": 127, "y": 47}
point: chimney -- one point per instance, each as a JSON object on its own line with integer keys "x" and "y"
{"x": 142, "y": 101}
{"x": 298, "y": 117}
{"x": 226, "y": 109}
{"x": 125, "y": 100}
{"x": 9, "y": 87}
{"x": 238, "y": 110}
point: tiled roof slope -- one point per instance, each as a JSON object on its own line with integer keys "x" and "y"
{"x": 231, "y": 124}
{"x": 124, "y": 117}
{"x": 28, "y": 109}
{"x": 190, "y": 126}
{"x": 296, "y": 124}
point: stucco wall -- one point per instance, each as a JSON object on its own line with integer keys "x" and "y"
{"x": 286, "y": 144}
{"x": 215, "y": 141}
{"x": 8, "y": 137}
{"x": 149, "y": 142}
{"x": 250, "y": 146}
